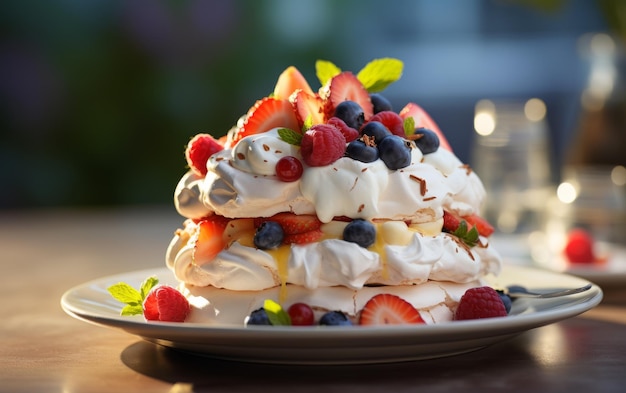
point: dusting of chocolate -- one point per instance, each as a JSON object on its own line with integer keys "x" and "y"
{"x": 266, "y": 147}
{"x": 422, "y": 182}
{"x": 241, "y": 156}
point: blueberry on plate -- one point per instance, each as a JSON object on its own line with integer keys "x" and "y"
{"x": 335, "y": 318}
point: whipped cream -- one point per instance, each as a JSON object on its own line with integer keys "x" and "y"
{"x": 241, "y": 182}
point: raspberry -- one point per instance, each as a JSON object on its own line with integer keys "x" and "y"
{"x": 481, "y": 302}
{"x": 166, "y": 304}
{"x": 392, "y": 121}
{"x": 348, "y": 132}
{"x": 322, "y": 145}
{"x": 199, "y": 149}
{"x": 579, "y": 246}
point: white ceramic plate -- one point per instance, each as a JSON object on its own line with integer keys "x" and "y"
{"x": 335, "y": 345}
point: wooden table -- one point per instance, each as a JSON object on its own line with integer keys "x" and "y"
{"x": 44, "y": 253}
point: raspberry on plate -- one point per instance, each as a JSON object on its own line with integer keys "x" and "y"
{"x": 480, "y": 302}
{"x": 166, "y": 304}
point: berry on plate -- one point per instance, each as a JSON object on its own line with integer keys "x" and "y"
{"x": 155, "y": 302}
{"x": 481, "y": 302}
{"x": 388, "y": 309}
{"x": 166, "y": 304}
{"x": 335, "y": 318}
{"x": 579, "y": 247}
{"x": 301, "y": 314}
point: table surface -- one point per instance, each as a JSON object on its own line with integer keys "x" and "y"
{"x": 45, "y": 253}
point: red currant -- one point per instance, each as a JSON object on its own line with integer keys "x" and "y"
{"x": 289, "y": 169}
{"x": 301, "y": 314}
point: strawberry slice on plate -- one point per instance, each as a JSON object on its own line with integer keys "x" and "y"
{"x": 346, "y": 87}
{"x": 423, "y": 119}
{"x": 388, "y": 309}
{"x": 267, "y": 113}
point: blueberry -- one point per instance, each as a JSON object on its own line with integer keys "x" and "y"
{"x": 258, "y": 317}
{"x": 428, "y": 142}
{"x": 351, "y": 113}
{"x": 380, "y": 103}
{"x": 268, "y": 235}
{"x": 361, "y": 151}
{"x": 335, "y": 318}
{"x": 360, "y": 232}
{"x": 377, "y": 130}
{"x": 395, "y": 152}
{"x": 506, "y": 299}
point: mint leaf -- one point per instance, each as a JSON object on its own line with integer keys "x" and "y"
{"x": 290, "y": 136}
{"x": 325, "y": 70}
{"x": 469, "y": 237}
{"x": 125, "y": 293}
{"x": 409, "y": 126}
{"x": 380, "y": 73}
{"x": 308, "y": 123}
{"x": 147, "y": 285}
{"x": 132, "y": 310}
{"x": 276, "y": 314}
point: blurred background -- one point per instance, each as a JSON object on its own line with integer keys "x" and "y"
{"x": 98, "y": 98}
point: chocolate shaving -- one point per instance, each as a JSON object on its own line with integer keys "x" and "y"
{"x": 278, "y": 151}
{"x": 363, "y": 170}
{"x": 429, "y": 198}
{"x": 266, "y": 147}
{"x": 361, "y": 208}
{"x": 414, "y": 137}
{"x": 422, "y": 182}
{"x": 241, "y": 156}
{"x": 356, "y": 179}
{"x": 468, "y": 169}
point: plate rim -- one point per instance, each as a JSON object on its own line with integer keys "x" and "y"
{"x": 171, "y": 333}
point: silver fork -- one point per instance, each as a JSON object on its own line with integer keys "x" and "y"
{"x": 516, "y": 291}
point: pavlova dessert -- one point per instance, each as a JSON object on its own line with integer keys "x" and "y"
{"x": 329, "y": 207}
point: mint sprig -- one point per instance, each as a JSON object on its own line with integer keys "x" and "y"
{"x": 132, "y": 297}
{"x": 290, "y": 136}
{"x": 469, "y": 237}
{"x": 325, "y": 70}
{"x": 380, "y": 73}
{"x": 276, "y": 314}
{"x": 409, "y": 126}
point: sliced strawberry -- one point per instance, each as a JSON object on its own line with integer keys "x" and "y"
{"x": 289, "y": 81}
{"x": 293, "y": 223}
{"x": 423, "y": 119}
{"x": 388, "y": 309}
{"x": 303, "y": 237}
{"x": 307, "y": 104}
{"x": 482, "y": 226}
{"x": 342, "y": 87}
{"x": 210, "y": 238}
{"x": 392, "y": 121}
{"x": 451, "y": 223}
{"x": 266, "y": 114}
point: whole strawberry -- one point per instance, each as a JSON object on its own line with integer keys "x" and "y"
{"x": 481, "y": 302}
